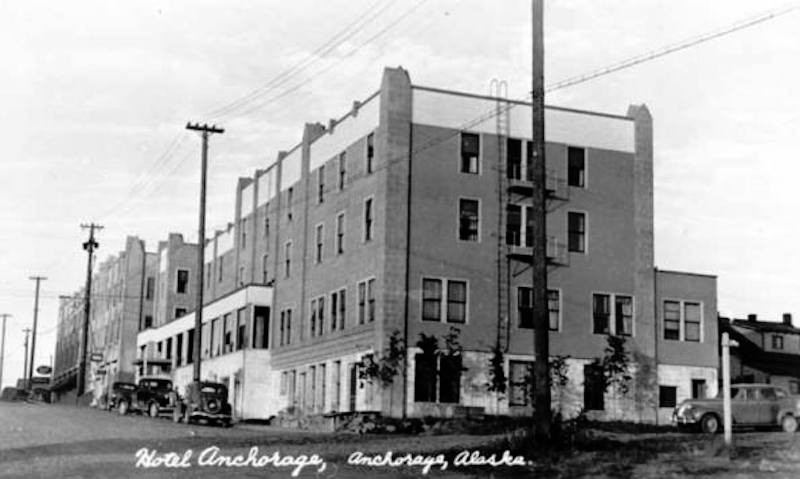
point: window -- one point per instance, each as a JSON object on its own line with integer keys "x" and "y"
{"x": 576, "y": 166}
{"x": 691, "y": 319}
{"x": 169, "y": 348}
{"x": 266, "y": 225}
{"x": 362, "y": 298}
{"x": 312, "y": 375}
{"x": 321, "y": 184}
{"x": 215, "y": 337}
{"x": 312, "y": 321}
{"x": 321, "y": 314}
{"x": 282, "y": 335}
{"x": 286, "y": 327}
{"x": 319, "y": 236}
{"x": 576, "y": 232}
{"x": 261, "y": 327}
{"x": 525, "y": 308}
{"x": 179, "y": 349}
{"x": 623, "y": 313}
{"x": 437, "y": 378}
{"x": 334, "y": 310}
{"x": 368, "y": 219}
{"x": 593, "y": 391}
{"x": 289, "y": 201}
{"x": 514, "y": 159}
{"x": 470, "y": 151}
{"x": 601, "y": 313}
{"x": 520, "y": 383}
{"x": 672, "y": 320}
{"x": 342, "y": 308}
{"x": 241, "y": 328}
{"x": 151, "y": 287}
{"x": 683, "y": 320}
{"x": 794, "y": 386}
{"x": 182, "y": 283}
{"x": 148, "y": 321}
{"x": 219, "y": 276}
{"x": 513, "y": 224}
{"x": 698, "y": 388}
{"x": 322, "y": 386}
{"x": 342, "y": 169}
{"x": 468, "y": 219}
{"x": 554, "y": 309}
{"x": 370, "y": 152}
{"x": 287, "y": 253}
{"x": 243, "y": 228}
{"x": 180, "y": 312}
{"x": 456, "y": 301}
{"x": 265, "y": 269}
{"x": 667, "y": 396}
{"x": 284, "y": 377}
{"x": 190, "y": 346}
{"x": 241, "y": 275}
{"x": 777, "y": 341}
{"x": 337, "y": 385}
{"x": 228, "y": 333}
{"x": 340, "y": 233}
{"x": 371, "y": 300}
{"x": 431, "y": 299}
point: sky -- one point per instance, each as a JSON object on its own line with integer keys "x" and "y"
{"x": 94, "y": 97}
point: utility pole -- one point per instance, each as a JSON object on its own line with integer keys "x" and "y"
{"x": 541, "y": 329}
{"x": 89, "y": 246}
{"x": 3, "y": 347}
{"x": 205, "y": 131}
{"x": 25, "y": 368}
{"x": 38, "y": 280}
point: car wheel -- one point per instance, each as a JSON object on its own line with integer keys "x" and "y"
{"x": 153, "y": 410}
{"x": 789, "y": 423}
{"x": 710, "y": 424}
{"x": 122, "y": 408}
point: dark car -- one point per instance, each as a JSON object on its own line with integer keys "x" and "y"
{"x": 204, "y": 400}
{"x": 153, "y": 396}
{"x": 752, "y": 405}
{"x": 119, "y": 390}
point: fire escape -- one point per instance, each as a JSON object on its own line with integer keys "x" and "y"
{"x": 515, "y": 190}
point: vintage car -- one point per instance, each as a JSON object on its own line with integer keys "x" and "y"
{"x": 204, "y": 400}
{"x": 153, "y": 396}
{"x": 119, "y": 390}
{"x": 752, "y": 405}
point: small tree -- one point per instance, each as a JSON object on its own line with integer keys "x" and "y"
{"x": 384, "y": 367}
{"x": 559, "y": 378}
{"x": 613, "y": 369}
{"x": 497, "y": 371}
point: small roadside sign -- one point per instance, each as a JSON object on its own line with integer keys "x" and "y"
{"x": 96, "y": 357}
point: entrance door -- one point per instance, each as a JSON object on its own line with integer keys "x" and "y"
{"x": 353, "y": 385}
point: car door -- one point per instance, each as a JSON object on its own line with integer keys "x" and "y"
{"x": 769, "y": 406}
{"x": 739, "y": 406}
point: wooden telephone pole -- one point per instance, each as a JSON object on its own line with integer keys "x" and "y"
{"x": 205, "y": 131}
{"x": 541, "y": 327}
{"x": 90, "y": 245}
{"x": 3, "y": 347}
{"x": 38, "y": 280}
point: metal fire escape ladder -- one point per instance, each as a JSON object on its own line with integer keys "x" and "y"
{"x": 499, "y": 89}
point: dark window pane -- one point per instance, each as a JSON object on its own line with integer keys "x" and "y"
{"x": 667, "y": 396}
{"x": 576, "y": 166}
{"x": 601, "y": 307}
{"x": 425, "y": 378}
{"x": 514, "y": 162}
{"x": 470, "y": 150}
{"x": 431, "y": 299}
{"x": 450, "y": 379}
{"x": 576, "y": 225}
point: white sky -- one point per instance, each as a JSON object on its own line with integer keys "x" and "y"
{"x": 93, "y": 93}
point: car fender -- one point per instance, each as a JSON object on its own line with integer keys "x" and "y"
{"x": 783, "y": 413}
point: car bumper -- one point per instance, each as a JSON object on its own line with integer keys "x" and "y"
{"x": 211, "y": 415}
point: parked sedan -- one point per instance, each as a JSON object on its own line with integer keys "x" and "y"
{"x": 119, "y": 391}
{"x": 752, "y": 405}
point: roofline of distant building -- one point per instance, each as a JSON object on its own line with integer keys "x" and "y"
{"x": 688, "y": 273}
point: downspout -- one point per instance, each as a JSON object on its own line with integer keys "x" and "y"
{"x": 408, "y": 270}
{"x": 655, "y": 326}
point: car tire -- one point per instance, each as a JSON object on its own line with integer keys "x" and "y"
{"x": 153, "y": 410}
{"x": 122, "y": 408}
{"x": 789, "y": 423}
{"x": 710, "y": 424}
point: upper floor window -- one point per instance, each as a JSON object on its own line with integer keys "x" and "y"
{"x": 514, "y": 159}
{"x": 287, "y": 254}
{"x": 576, "y": 232}
{"x": 777, "y": 341}
{"x": 243, "y": 227}
{"x": 266, "y": 225}
{"x": 182, "y": 284}
{"x": 289, "y": 201}
{"x": 525, "y": 308}
{"x": 151, "y": 287}
{"x": 470, "y": 152}
{"x": 370, "y": 152}
{"x": 576, "y": 166}
{"x": 617, "y": 320}
{"x": 319, "y": 238}
{"x": 340, "y": 233}
{"x": 468, "y": 219}
{"x": 682, "y": 320}
{"x": 265, "y": 269}
{"x": 368, "y": 219}
{"x": 342, "y": 169}
{"x": 321, "y": 184}
{"x": 444, "y": 299}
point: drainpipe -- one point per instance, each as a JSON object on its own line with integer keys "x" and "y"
{"x": 408, "y": 272}
{"x": 655, "y": 325}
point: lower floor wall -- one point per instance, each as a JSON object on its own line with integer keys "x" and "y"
{"x": 677, "y": 383}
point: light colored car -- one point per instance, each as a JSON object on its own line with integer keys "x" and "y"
{"x": 752, "y": 405}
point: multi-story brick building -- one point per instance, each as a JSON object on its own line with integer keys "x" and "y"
{"x": 767, "y": 351}
{"x": 408, "y": 216}
{"x": 68, "y": 333}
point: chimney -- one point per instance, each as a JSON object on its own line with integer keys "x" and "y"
{"x": 787, "y": 319}
{"x": 356, "y": 106}
{"x": 752, "y": 318}
{"x": 331, "y": 125}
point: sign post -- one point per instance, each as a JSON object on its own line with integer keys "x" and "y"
{"x": 727, "y": 343}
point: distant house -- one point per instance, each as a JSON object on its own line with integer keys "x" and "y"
{"x": 768, "y": 351}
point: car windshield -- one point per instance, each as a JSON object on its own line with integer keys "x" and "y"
{"x": 211, "y": 389}
{"x": 126, "y": 386}
{"x": 157, "y": 384}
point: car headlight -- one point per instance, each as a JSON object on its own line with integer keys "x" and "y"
{"x": 685, "y": 410}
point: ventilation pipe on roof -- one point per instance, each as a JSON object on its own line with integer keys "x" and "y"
{"x": 787, "y": 319}
{"x": 752, "y": 318}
